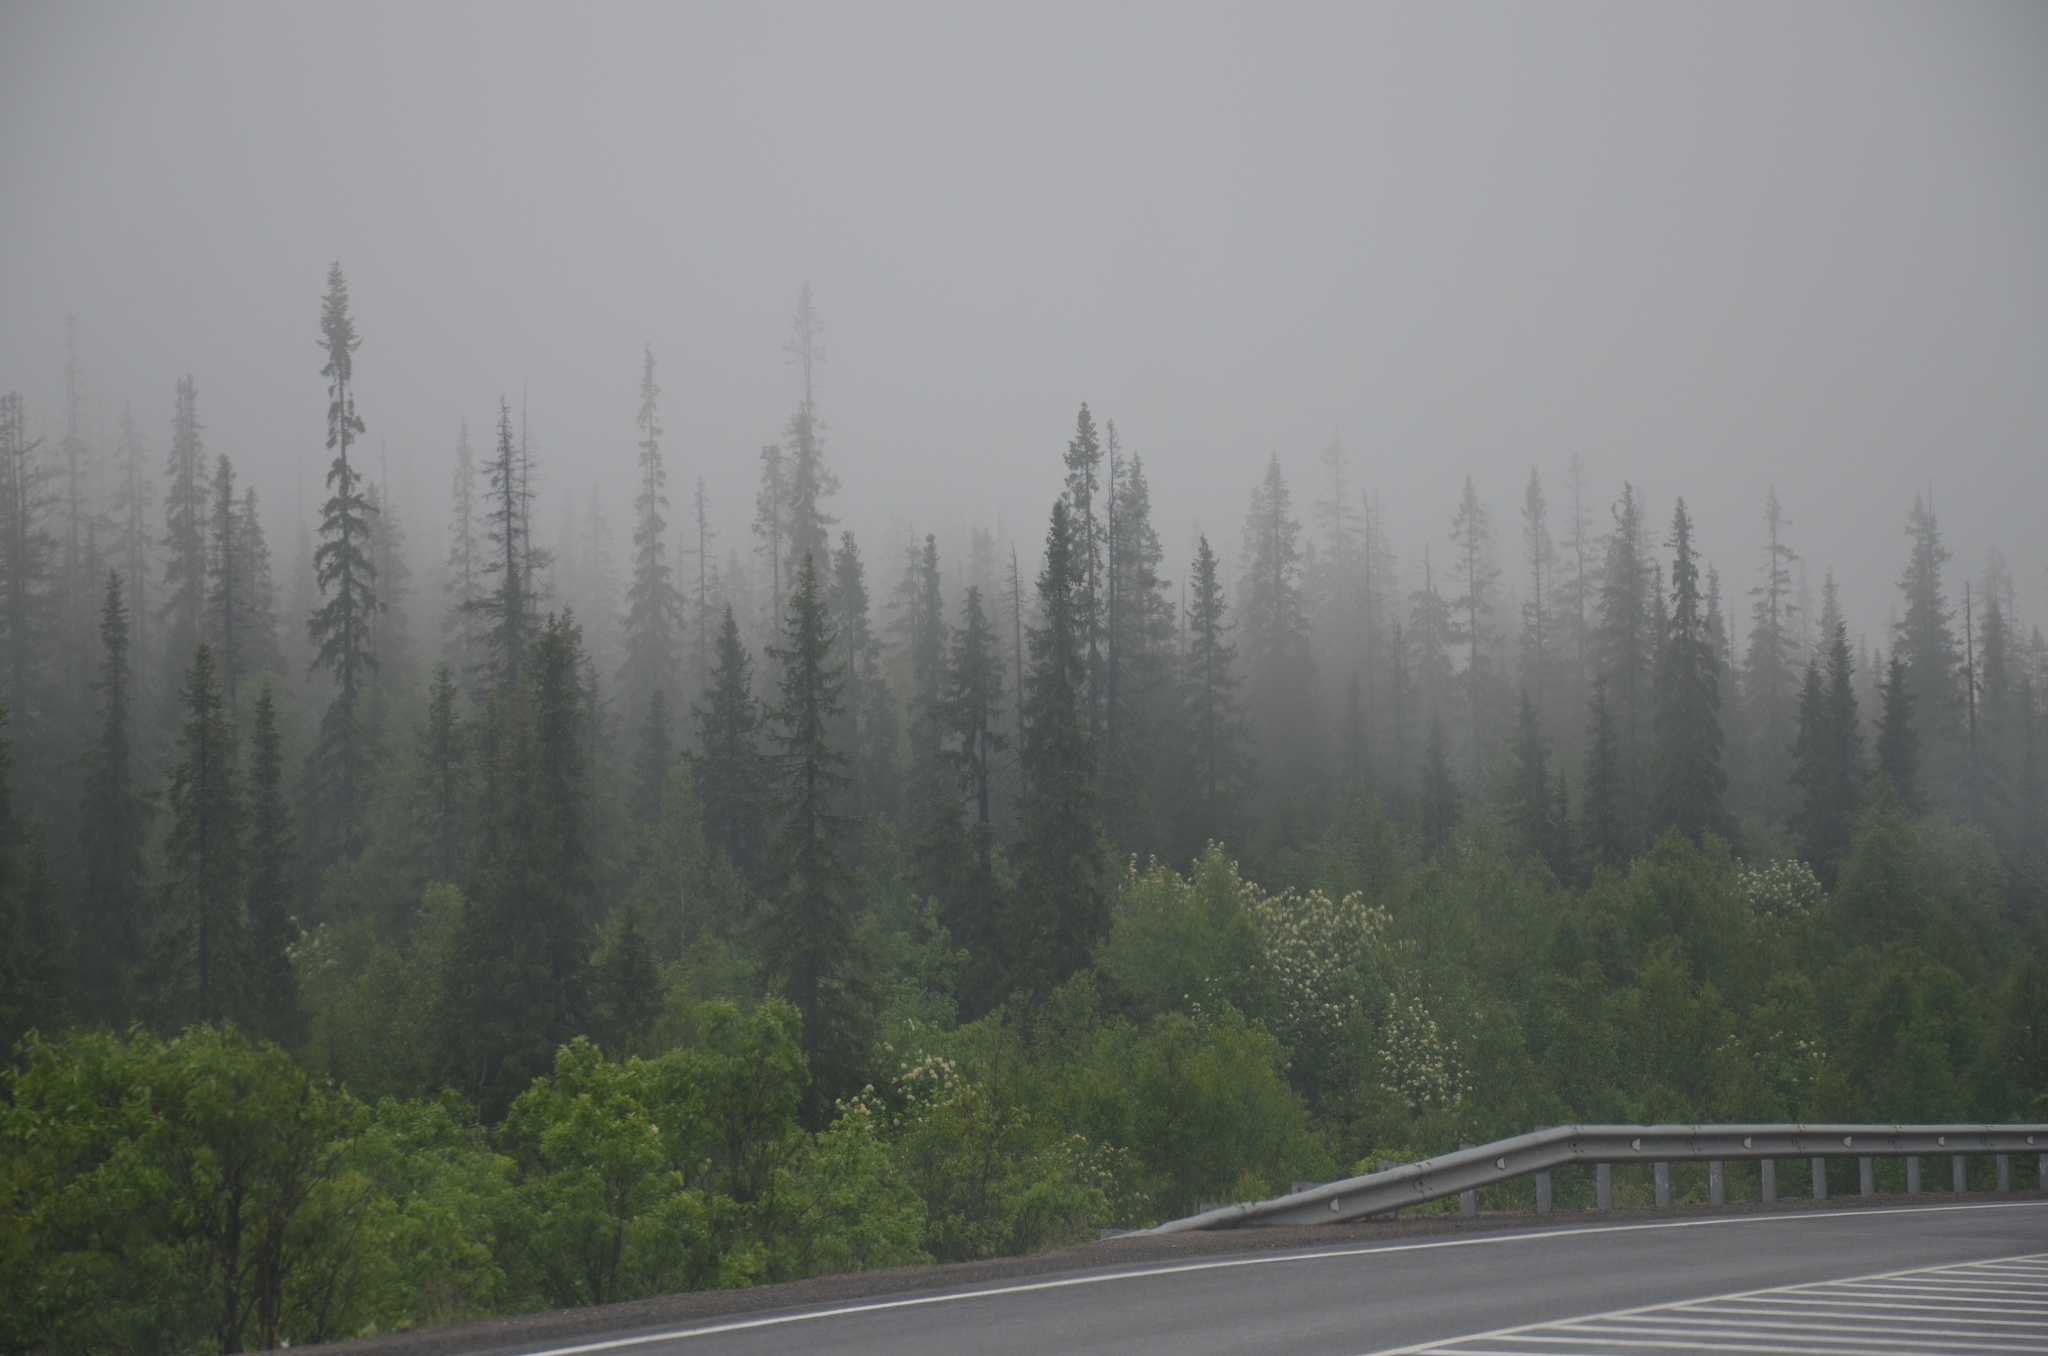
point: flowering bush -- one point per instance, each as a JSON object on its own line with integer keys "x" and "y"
{"x": 1327, "y": 958}
{"x": 1785, "y": 889}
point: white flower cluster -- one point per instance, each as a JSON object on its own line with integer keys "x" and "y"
{"x": 1784, "y": 889}
{"x": 1421, "y": 1066}
{"x": 1319, "y": 950}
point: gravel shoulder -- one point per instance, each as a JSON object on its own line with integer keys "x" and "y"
{"x": 556, "y": 1327}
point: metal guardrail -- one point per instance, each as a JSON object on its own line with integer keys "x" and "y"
{"x": 1538, "y": 1154}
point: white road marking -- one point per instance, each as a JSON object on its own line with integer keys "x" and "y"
{"x": 1863, "y": 1316}
{"x": 1230, "y": 1263}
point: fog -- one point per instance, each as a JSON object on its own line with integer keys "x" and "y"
{"x": 1707, "y": 250}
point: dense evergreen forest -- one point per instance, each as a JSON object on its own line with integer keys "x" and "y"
{"x": 393, "y": 934}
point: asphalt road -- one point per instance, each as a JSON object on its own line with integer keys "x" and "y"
{"x": 1350, "y": 1300}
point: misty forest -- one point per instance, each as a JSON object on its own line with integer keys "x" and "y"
{"x": 411, "y": 910}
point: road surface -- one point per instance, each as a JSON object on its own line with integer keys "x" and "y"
{"x": 1607, "y": 1288}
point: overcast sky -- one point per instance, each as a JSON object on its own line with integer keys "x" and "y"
{"x": 1708, "y": 248}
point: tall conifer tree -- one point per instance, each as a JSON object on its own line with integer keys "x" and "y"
{"x": 730, "y": 774}
{"x": 1472, "y": 534}
{"x": 110, "y": 833}
{"x": 1604, "y": 832}
{"x": 464, "y": 578}
{"x": 1827, "y": 758}
{"x": 507, "y": 609}
{"x": 272, "y": 1004}
{"x": 1060, "y": 911}
{"x": 347, "y": 578}
{"x": 809, "y": 482}
{"x": 202, "y": 936}
{"x": 1625, "y": 644}
{"x": 809, "y": 947}
{"x": 1279, "y": 665}
{"x": 1688, "y": 781}
{"x": 1898, "y": 741}
{"x": 185, "y": 511}
{"x": 1924, "y": 637}
{"x": 864, "y": 729}
{"x": 1138, "y": 684}
{"x": 1770, "y": 670}
{"x": 654, "y": 610}
{"x": 1214, "y": 729}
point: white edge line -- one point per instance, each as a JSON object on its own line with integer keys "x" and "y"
{"x": 1521, "y": 1328}
{"x": 1064, "y": 1282}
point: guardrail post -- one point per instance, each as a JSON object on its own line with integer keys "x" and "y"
{"x": 1603, "y": 1185}
{"x": 2004, "y": 1173}
{"x": 1468, "y": 1200}
{"x": 1912, "y": 1174}
{"x": 2041, "y": 1174}
{"x": 1663, "y": 1186}
{"x": 1867, "y": 1170}
{"x": 1958, "y": 1182}
{"x": 1543, "y": 1192}
{"x": 1820, "y": 1179}
{"x": 1717, "y": 1182}
{"x": 1770, "y": 1176}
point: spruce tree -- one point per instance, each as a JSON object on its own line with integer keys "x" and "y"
{"x": 1924, "y": 639}
{"x": 1898, "y": 742}
{"x": 1279, "y": 665}
{"x": 1533, "y": 813}
{"x": 1687, "y": 780}
{"x": 962, "y": 855}
{"x": 1625, "y": 645}
{"x": 340, "y": 626}
{"x": 271, "y": 1007}
{"x": 185, "y": 511}
{"x": 1827, "y": 759}
{"x": 1138, "y": 687}
{"x": 731, "y": 776}
{"x": 32, "y": 972}
{"x": 442, "y": 789}
{"x": 653, "y": 755}
{"x": 1357, "y": 752}
{"x": 625, "y": 982}
{"x": 1770, "y": 670}
{"x": 1432, "y": 632}
{"x": 260, "y": 641}
{"x": 226, "y": 595}
{"x": 925, "y": 616}
{"x": 464, "y": 572}
{"x": 562, "y": 718}
{"x": 1440, "y": 807}
{"x": 1214, "y": 730}
{"x": 1539, "y": 634}
{"x": 110, "y": 834}
{"x": 771, "y": 516}
{"x": 28, "y": 557}
{"x": 809, "y": 947}
{"x": 202, "y": 936}
{"x": 809, "y": 483}
{"x": 128, "y": 510}
{"x": 513, "y": 990}
{"x": 390, "y": 621}
{"x": 1603, "y": 828}
{"x": 1084, "y": 485}
{"x": 1060, "y": 911}
{"x": 1997, "y": 723}
{"x": 1472, "y": 534}
{"x": 506, "y": 609}
{"x": 865, "y": 727}
{"x": 654, "y": 610}
{"x": 1400, "y": 706}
